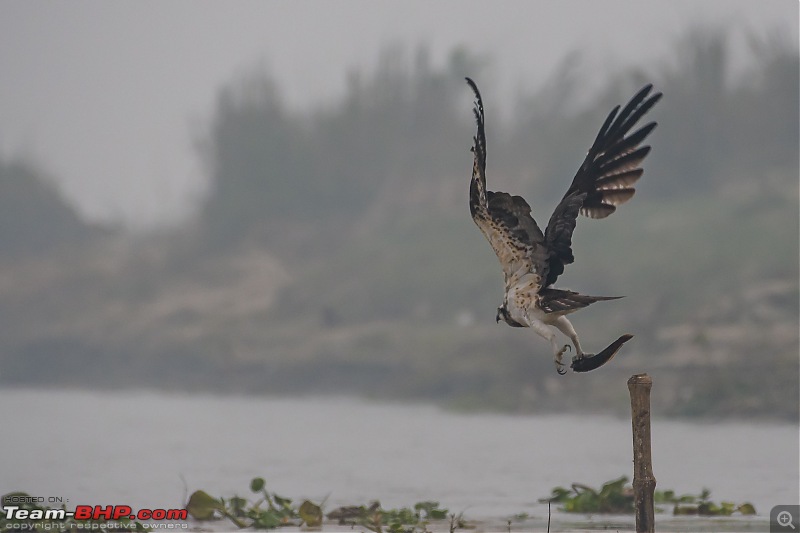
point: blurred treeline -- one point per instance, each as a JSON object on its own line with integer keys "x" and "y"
{"x": 334, "y": 250}
{"x": 403, "y": 126}
{"x": 34, "y": 218}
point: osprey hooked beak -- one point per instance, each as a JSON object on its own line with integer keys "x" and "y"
{"x": 500, "y": 315}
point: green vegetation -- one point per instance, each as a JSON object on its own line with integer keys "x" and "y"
{"x": 268, "y": 510}
{"x": 616, "y": 497}
{"x": 402, "y": 520}
{"x": 701, "y": 505}
{"x": 271, "y": 511}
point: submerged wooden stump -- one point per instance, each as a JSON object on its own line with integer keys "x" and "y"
{"x": 644, "y": 483}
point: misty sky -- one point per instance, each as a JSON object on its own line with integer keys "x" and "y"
{"x": 107, "y": 96}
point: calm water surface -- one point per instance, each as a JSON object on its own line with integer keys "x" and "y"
{"x": 134, "y": 448}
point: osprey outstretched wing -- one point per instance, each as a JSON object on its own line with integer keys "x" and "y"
{"x": 531, "y": 259}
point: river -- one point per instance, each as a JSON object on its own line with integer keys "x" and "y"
{"x": 136, "y": 448}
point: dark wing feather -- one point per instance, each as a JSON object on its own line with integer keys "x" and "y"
{"x": 558, "y": 235}
{"x": 503, "y": 219}
{"x": 614, "y": 153}
{"x": 477, "y": 187}
{"x": 604, "y": 180}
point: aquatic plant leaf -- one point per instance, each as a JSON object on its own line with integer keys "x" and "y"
{"x": 430, "y": 510}
{"x": 438, "y": 514}
{"x": 267, "y": 520}
{"x": 286, "y": 503}
{"x": 237, "y": 506}
{"x": 201, "y": 505}
{"x": 747, "y": 509}
{"x": 257, "y": 484}
{"x": 580, "y": 488}
{"x": 310, "y": 513}
{"x": 684, "y": 510}
{"x": 708, "y": 509}
{"x": 664, "y": 496}
{"x": 613, "y": 487}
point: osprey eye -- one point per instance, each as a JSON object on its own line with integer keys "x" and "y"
{"x": 531, "y": 259}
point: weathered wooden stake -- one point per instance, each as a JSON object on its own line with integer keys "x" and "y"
{"x": 644, "y": 483}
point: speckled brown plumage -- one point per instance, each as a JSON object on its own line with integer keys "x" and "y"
{"x": 533, "y": 260}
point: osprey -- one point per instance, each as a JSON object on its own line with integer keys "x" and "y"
{"x": 531, "y": 259}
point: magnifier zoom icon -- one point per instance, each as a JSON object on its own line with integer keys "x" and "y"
{"x": 785, "y": 519}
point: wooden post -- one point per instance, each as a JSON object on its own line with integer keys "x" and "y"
{"x": 644, "y": 483}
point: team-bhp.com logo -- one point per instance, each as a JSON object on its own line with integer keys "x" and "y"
{"x": 96, "y": 512}
{"x": 21, "y": 512}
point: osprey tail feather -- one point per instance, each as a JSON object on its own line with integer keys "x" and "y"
{"x": 563, "y": 301}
